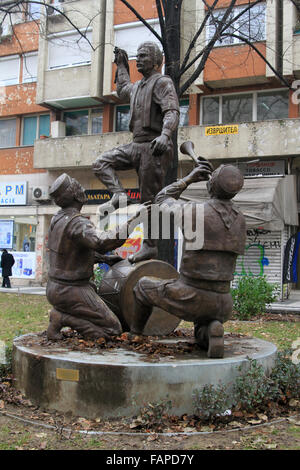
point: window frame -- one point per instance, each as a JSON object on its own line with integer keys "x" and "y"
{"x": 16, "y": 121}
{"x": 235, "y": 12}
{"x": 24, "y": 56}
{"x": 12, "y": 57}
{"x": 137, "y": 24}
{"x": 64, "y": 34}
{"x": 37, "y": 133}
{"x": 254, "y": 104}
{"x": 90, "y": 124}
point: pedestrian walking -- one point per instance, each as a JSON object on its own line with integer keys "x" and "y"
{"x": 7, "y": 262}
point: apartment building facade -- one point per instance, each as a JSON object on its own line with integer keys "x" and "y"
{"x": 62, "y": 111}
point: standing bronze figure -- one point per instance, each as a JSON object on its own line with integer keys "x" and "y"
{"x": 74, "y": 246}
{"x": 201, "y": 294}
{"x": 154, "y": 116}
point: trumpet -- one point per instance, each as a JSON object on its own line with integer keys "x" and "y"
{"x": 187, "y": 148}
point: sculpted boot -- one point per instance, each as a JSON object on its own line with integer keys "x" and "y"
{"x": 211, "y": 338}
{"x": 55, "y": 325}
{"x": 215, "y": 332}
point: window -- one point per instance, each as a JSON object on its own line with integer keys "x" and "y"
{"x": 122, "y": 118}
{"x": 9, "y": 70}
{"x": 236, "y": 108}
{"x": 34, "y": 127}
{"x": 245, "y": 107}
{"x": 250, "y": 25}
{"x": 30, "y": 67}
{"x": 129, "y": 36}
{"x": 8, "y": 132}
{"x": 69, "y": 50}
{"x": 184, "y": 113}
{"x": 84, "y": 121}
{"x": 272, "y": 106}
{"x": 33, "y": 11}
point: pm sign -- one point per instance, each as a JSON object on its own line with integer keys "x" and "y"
{"x": 13, "y": 193}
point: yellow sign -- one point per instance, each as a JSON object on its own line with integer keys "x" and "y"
{"x": 67, "y": 374}
{"x": 221, "y": 130}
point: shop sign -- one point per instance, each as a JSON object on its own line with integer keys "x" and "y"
{"x": 6, "y": 233}
{"x": 272, "y": 168}
{"x": 13, "y": 193}
{"x": 100, "y": 196}
{"x": 221, "y": 130}
{"x": 24, "y": 267}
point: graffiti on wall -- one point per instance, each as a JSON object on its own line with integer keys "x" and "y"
{"x": 254, "y": 260}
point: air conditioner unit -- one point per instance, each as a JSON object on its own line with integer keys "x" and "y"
{"x": 56, "y": 11}
{"x": 40, "y": 193}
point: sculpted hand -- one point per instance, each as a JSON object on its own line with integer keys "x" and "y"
{"x": 121, "y": 56}
{"x": 199, "y": 173}
{"x": 159, "y": 145}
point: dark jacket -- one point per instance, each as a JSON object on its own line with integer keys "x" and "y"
{"x": 7, "y": 261}
{"x": 72, "y": 243}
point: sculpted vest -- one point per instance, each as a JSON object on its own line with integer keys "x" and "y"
{"x": 69, "y": 261}
{"x": 152, "y": 116}
{"x": 216, "y": 260}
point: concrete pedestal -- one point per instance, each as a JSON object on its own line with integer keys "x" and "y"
{"x": 119, "y": 382}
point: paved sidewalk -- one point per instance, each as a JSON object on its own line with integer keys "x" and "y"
{"x": 24, "y": 290}
{"x": 292, "y": 305}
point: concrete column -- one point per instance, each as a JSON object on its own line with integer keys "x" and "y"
{"x": 41, "y": 249}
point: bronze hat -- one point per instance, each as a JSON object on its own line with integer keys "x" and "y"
{"x": 60, "y": 185}
{"x": 228, "y": 179}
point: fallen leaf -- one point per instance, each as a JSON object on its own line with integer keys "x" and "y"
{"x": 236, "y": 424}
{"x": 271, "y": 446}
{"x": 189, "y": 429}
{"x": 1, "y": 404}
{"x": 294, "y": 403}
{"x": 254, "y": 421}
{"x": 41, "y": 435}
{"x": 262, "y": 416}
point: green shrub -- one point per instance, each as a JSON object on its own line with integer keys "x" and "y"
{"x": 251, "y": 295}
{"x": 286, "y": 376}
{"x": 210, "y": 401}
{"x": 98, "y": 275}
{"x": 252, "y": 388}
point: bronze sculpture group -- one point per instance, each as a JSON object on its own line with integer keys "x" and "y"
{"x": 201, "y": 293}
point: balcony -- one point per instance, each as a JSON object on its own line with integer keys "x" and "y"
{"x": 253, "y": 139}
{"x": 69, "y": 69}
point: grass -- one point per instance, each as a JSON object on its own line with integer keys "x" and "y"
{"x": 281, "y": 333}
{"x": 21, "y": 314}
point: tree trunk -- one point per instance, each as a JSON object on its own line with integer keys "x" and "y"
{"x": 166, "y": 248}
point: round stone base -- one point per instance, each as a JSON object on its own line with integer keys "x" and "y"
{"x": 118, "y": 382}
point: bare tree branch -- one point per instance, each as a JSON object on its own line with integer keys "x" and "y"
{"x": 139, "y": 17}
{"x": 278, "y": 75}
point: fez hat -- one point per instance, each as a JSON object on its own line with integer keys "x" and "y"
{"x": 60, "y": 185}
{"x": 228, "y": 179}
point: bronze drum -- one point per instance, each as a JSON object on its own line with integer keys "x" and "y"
{"x": 116, "y": 290}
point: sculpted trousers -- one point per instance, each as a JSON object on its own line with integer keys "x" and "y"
{"x": 151, "y": 170}
{"x": 83, "y": 309}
